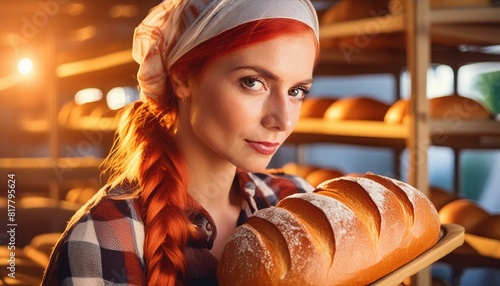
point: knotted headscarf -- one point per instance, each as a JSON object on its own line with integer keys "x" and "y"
{"x": 174, "y": 27}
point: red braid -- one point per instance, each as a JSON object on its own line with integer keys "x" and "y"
{"x": 156, "y": 168}
{"x": 145, "y": 155}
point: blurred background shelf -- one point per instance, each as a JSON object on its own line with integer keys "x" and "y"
{"x": 470, "y": 134}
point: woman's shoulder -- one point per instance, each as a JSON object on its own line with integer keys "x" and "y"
{"x": 108, "y": 234}
{"x": 107, "y": 218}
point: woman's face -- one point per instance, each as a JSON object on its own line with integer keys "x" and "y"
{"x": 247, "y": 102}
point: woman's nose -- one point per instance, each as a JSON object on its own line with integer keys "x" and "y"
{"x": 277, "y": 112}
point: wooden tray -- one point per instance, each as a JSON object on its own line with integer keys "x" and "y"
{"x": 452, "y": 236}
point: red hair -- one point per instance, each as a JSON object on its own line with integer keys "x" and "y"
{"x": 145, "y": 155}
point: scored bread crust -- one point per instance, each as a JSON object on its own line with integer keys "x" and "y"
{"x": 349, "y": 231}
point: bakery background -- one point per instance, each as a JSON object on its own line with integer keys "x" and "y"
{"x": 57, "y": 119}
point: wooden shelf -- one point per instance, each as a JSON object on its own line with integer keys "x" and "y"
{"x": 96, "y": 124}
{"x": 396, "y": 23}
{"x": 476, "y": 252}
{"x": 371, "y": 26}
{"x": 465, "y": 15}
{"x": 365, "y": 133}
{"x": 459, "y": 134}
{"x": 378, "y": 44}
{"x": 45, "y": 170}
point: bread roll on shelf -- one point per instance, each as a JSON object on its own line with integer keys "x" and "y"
{"x": 315, "y": 107}
{"x": 489, "y": 227}
{"x": 298, "y": 170}
{"x": 440, "y": 197}
{"x": 482, "y": 236}
{"x": 448, "y": 107}
{"x": 475, "y": 219}
{"x": 397, "y": 112}
{"x": 318, "y": 176}
{"x": 350, "y": 231}
{"x": 356, "y": 108}
{"x": 351, "y": 10}
{"x": 464, "y": 212}
{"x": 314, "y": 175}
{"x": 457, "y": 107}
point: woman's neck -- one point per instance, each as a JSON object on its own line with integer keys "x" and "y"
{"x": 210, "y": 177}
{"x": 210, "y": 186}
{"x": 211, "y": 182}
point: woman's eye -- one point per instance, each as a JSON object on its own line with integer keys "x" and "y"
{"x": 253, "y": 83}
{"x": 298, "y": 92}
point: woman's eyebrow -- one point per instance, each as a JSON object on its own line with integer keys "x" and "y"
{"x": 269, "y": 74}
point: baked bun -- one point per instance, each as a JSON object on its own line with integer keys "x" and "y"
{"x": 356, "y": 108}
{"x": 317, "y": 177}
{"x": 475, "y": 219}
{"x": 297, "y": 169}
{"x": 455, "y": 107}
{"x": 349, "y": 231}
{"x": 451, "y": 107}
{"x": 397, "y": 112}
{"x": 489, "y": 227}
{"x": 464, "y": 212}
{"x": 314, "y": 107}
{"x": 349, "y": 10}
{"x": 440, "y": 197}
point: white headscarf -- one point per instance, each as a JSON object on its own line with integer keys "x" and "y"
{"x": 174, "y": 27}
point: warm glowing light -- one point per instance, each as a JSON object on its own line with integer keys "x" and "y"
{"x": 118, "y": 97}
{"x": 73, "y": 9}
{"x": 123, "y": 11}
{"x": 95, "y": 64}
{"x": 25, "y": 66}
{"x": 83, "y": 34}
{"x": 88, "y": 95}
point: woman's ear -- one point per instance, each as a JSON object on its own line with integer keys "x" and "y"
{"x": 180, "y": 84}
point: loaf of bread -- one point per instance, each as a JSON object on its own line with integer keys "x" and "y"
{"x": 315, "y": 107}
{"x": 450, "y": 107}
{"x": 357, "y": 108}
{"x": 474, "y": 218}
{"x": 349, "y": 10}
{"x": 349, "y": 231}
{"x": 440, "y": 197}
{"x": 320, "y": 175}
{"x": 397, "y": 112}
{"x": 454, "y": 107}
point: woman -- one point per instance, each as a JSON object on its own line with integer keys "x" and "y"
{"x": 221, "y": 84}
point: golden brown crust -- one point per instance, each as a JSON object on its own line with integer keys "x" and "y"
{"x": 320, "y": 175}
{"x": 450, "y": 107}
{"x": 475, "y": 219}
{"x": 455, "y": 107}
{"x": 350, "y": 231}
{"x": 315, "y": 107}
{"x": 440, "y": 197}
{"x": 397, "y": 112}
{"x": 464, "y": 212}
{"x": 489, "y": 227}
{"x": 357, "y": 108}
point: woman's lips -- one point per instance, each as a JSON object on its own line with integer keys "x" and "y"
{"x": 265, "y": 148}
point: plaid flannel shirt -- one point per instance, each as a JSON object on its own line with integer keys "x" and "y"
{"x": 103, "y": 243}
